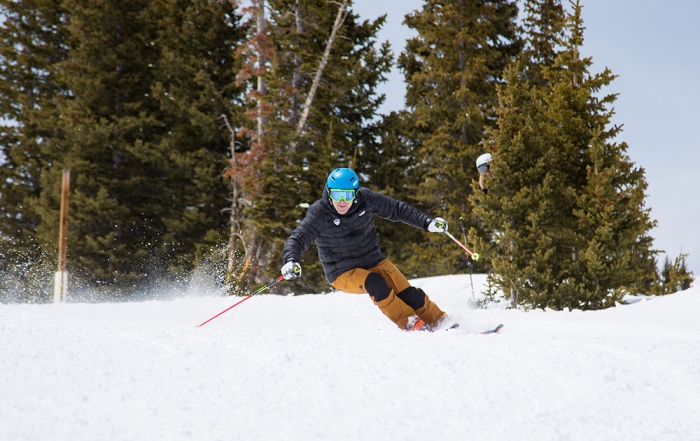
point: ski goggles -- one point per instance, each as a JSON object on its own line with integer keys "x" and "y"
{"x": 483, "y": 168}
{"x": 338, "y": 195}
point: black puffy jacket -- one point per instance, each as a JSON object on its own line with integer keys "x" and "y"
{"x": 350, "y": 240}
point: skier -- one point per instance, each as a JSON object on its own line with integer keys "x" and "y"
{"x": 342, "y": 224}
{"x": 482, "y": 164}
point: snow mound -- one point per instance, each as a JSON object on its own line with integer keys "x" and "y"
{"x": 331, "y": 367}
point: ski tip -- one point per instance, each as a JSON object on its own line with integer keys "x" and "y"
{"x": 495, "y": 330}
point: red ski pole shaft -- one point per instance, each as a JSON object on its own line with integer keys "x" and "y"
{"x": 279, "y": 279}
{"x": 474, "y": 255}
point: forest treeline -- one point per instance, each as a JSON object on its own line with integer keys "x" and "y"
{"x": 197, "y": 132}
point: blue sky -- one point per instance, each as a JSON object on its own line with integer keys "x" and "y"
{"x": 653, "y": 48}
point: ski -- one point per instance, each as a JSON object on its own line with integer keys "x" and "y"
{"x": 493, "y": 331}
{"x": 454, "y": 326}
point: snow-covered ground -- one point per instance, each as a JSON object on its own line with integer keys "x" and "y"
{"x": 331, "y": 367}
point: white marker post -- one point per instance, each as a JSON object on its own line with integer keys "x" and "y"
{"x": 61, "y": 280}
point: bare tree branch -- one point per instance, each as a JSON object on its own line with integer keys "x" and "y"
{"x": 339, "y": 19}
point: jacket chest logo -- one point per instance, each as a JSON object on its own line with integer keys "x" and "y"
{"x": 363, "y": 212}
{"x": 336, "y": 221}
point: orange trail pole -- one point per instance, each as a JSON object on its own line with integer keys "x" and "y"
{"x": 279, "y": 279}
{"x": 60, "y": 282}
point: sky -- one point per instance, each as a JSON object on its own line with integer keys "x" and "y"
{"x": 332, "y": 367}
{"x": 653, "y": 47}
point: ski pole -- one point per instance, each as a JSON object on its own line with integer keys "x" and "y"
{"x": 279, "y": 279}
{"x": 473, "y": 255}
{"x": 464, "y": 229}
{"x": 469, "y": 260}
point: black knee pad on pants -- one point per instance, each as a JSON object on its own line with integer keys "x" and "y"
{"x": 376, "y": 287}
{"x": 413, "y": 297}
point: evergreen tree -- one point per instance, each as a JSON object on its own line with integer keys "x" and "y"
{"x": 544, "y": 30}
{"x": 675, "y": 276}
{"x": 195, "y": 87}
{"x": 290, "y": 168}
{"x": 142, "y": 87}
{"x": 452, "y": 68}
{"x": 567, "y": 215}
{"x": 32, "y": 35}
{"x": 544, "y": 23}
{"x": 391, "y": 169}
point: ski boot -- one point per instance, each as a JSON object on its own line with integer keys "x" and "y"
{"x": 416, "y": 324}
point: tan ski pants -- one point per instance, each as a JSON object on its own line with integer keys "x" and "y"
{"x": 396, "y": 305}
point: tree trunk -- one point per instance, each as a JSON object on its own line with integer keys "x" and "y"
{"x": 231, "y": 269}
{"x": 261, "y": 62}
{"x": 296, "y": 76}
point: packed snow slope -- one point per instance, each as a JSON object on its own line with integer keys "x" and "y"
{"x": 332, "y": 367}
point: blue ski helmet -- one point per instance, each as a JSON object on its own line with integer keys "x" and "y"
{"x": 343, "y": 178}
